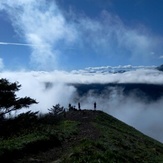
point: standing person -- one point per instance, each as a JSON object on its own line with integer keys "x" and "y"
{"x": 69, "y": 106}
{"x": 94, "y": 105}
{"x": 79, "y": 105}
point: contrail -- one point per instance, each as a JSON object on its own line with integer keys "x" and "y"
{"x": 17, "y": 44}
{"x": 34, "y": 45}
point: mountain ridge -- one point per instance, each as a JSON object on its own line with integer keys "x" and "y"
{"x": 101, "y": 138}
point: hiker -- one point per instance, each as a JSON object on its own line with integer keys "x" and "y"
{"x": 70, "y": 107}
{"x": 79, "y": 105}
{"x": 95, "y": 106}
{"x": 64, "y": 113}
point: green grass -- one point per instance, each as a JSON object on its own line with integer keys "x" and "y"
{"x": 68, "y": 128}
{"x": 40, "y": 138}
{"x": 118, "y": 143}
{"x": 128, "y": 144}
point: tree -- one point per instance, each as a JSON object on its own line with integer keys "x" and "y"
{"x": 56, "y": 110}
{"x": 9, "y": 101}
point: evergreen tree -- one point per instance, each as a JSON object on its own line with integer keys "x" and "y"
{"x": 9, "y": 101}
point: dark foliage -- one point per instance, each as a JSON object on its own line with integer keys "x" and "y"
{"x": 9, "y": 101}
{"x": 14, "y": 126}
{"x": 56, "y": 113}
{"x": 56, "y": 110}
{"x": 31, "y": 148}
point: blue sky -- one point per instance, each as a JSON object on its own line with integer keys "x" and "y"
{"x": 71, "y": 34}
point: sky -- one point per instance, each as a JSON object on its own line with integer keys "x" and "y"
{"x": 66, "y": 35}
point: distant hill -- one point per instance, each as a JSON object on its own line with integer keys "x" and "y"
{"x": 141, "y": 90}
{"x": 160, "y": 68}
{"x": 102, "y": 138}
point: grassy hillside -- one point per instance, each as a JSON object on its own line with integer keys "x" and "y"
{"x": 81, "y": 137}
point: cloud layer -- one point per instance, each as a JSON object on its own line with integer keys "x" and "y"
{"x": 50, "y": 88}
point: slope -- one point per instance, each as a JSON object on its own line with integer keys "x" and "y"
{"x": 115, "y": 142}
{"x": 101, "y": 138}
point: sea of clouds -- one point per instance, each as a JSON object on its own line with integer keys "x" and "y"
{"x": 51, "y": 88}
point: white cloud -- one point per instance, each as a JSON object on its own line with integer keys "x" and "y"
{"x": 33, "y": 83}
{"x": 146, "y": 117}
{"x": 108, "y": 35}
{"x": 40, "y": 23}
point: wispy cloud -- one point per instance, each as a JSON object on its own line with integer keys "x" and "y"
{"x": 108, "y": 35}
{"x": 44, "y": 23}
{"x": 40, "y": 23}
{"x": 17, "y": 44}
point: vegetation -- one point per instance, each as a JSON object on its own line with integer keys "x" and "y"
{"x": 78, "y": 136}
{"x": 117, "y": 142}
{"x": 8, "y": 100}
{"x": 29, "y": 133}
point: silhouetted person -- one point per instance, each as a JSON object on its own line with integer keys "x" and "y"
{"x": 95, "y": 106}
{"x": 79, "y": 105}
{"x": 69, "y": 106}
{"x": 64, "y": 113}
